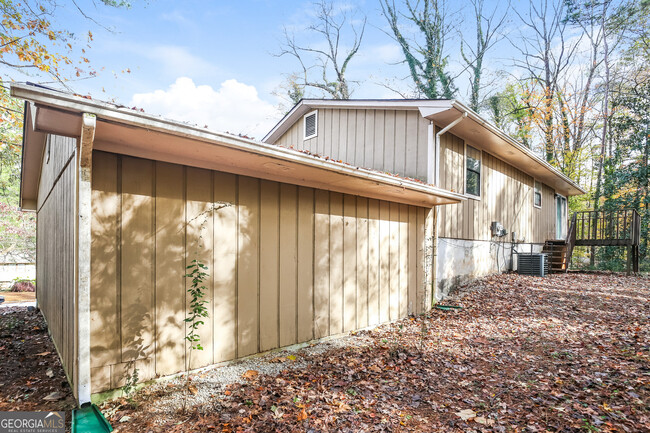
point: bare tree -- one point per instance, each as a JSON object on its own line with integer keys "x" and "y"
{"x": 545, "y": 55}
{"x": 426, "y": 60}
{"x": 488, "y": 29}
{"x": 581, "y": 127}
{"x": 330, "y": 25}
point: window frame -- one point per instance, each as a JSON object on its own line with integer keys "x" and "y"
{"x": 480, "y": 173}
{"x": 541, "y": 195}
{"x": 304, "y": 125}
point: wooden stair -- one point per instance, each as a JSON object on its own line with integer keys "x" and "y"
{"x": 557, "y": 251}
{"x": 560, "y": 250}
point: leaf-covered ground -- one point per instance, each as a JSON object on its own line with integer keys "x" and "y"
{"x": 563, "y": 353}
{"x": 31, "y": 375}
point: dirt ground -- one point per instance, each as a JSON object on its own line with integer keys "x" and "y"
{"x": 559, "y": 354}
{"x": 566, "y": 353}
{"x": 11, "y": 297}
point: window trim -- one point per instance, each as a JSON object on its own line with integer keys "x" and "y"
{"x": 541, "y": 195}
{"x": 480, "y": 174}
{"x": 304, "y": 125}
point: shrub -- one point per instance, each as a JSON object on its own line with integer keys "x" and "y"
{"x": 23, "y": 286}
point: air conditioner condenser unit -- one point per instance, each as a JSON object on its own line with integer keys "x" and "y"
{"x": 535, "y": 264}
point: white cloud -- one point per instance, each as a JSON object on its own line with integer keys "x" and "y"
{"x": 177, "y": 60}
{"x": 235, "y": 107}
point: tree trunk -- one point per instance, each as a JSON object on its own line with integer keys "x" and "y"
{"x": 603, "y": 140}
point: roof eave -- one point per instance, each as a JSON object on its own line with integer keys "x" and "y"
{"x": 429, "y": 109}
{"x": 520, "y": 147}
{"x": 58, "y": 111}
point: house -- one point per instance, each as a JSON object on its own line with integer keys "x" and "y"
{"x": 334, "y": 224}
{"x": 444, "y": 143}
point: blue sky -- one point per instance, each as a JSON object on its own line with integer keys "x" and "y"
{"x": 213, "y": 63}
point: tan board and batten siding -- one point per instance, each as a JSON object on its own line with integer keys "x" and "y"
{"x": 393, "y": 141}
{"x": 287, "y": 264}
{"x": 506, "y": 197}
{"x": 55, "y": 247}
{"x": 396, "y": 141}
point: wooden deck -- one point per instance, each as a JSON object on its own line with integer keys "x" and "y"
{"x": 598, "y": 228}
{"x": 607, "y": 228}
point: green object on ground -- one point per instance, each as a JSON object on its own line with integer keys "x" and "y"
{"x": 88, "y": 419}
{"x": 448, "y": 307}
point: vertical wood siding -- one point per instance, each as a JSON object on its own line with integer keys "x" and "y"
{"x": 386, "y": 140}
{"x": 506, "y": 196}
{"x": 59, "y": 151}
{"x": 55, "y": 248}
{"x": 396, "y": 141}
{"x": 287, "y": 264}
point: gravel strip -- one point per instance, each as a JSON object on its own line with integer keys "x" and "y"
{"x": 211, "y": 382}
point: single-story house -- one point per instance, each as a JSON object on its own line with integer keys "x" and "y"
{"x": 444, "y": 143}
{"x": 350, "y": 214}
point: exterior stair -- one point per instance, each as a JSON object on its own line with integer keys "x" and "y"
{"x": 560, "y": 250}
{"x": 557, "y": 254}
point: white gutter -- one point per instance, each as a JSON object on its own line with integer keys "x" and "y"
{"x": 442, "y": 131}
{"x": 72, "y": 105}
{"x": 514, "y": 143}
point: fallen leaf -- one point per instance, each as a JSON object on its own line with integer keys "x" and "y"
{"x": 43, "y": 353}
{"x": 466, "y": 414}
{"x": 250, "y": 374}
{"x": 483, "y": 420}
{"x": 54, "y": 396}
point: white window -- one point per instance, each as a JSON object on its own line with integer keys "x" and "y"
{"x": 537, "y": 194}
{"x": 472, "y": 172}
{"x": 310, "y": 121}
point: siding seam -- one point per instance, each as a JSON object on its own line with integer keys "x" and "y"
{"x": 118, "y": 261}
{"x": 56, "y": 180}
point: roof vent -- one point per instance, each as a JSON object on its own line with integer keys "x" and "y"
{"x": 311, "y": 124}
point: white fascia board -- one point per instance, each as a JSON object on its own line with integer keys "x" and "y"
{"x": 306, "y": 105}
{"x": 523, "y": 149}
{"x": 285, "y": 123}
{"x": 426, "y": 111}
{"x": 108, "y": 112}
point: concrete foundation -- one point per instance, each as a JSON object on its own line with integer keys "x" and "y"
{"x": 460, "y": 261}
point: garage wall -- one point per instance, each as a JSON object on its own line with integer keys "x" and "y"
{"x": 55, "y": 247}
{"x": 287, "y": 264}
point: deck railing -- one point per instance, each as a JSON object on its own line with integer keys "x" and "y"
{"x": 607, "y": 227}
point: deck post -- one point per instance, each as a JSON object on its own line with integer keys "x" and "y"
{"x": 629, "y": 260}
{"x": 82, "y": 256}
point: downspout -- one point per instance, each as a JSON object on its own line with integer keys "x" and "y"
{"x": 82, "y": 256}
{"x": 438, "y": 135}
{"x": 435, "y": 177}
{"x": 434, "y": 261}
